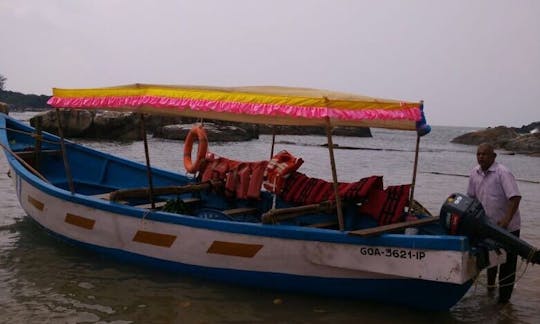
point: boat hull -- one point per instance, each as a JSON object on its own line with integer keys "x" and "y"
{"x": 423, "y": 271}
{"x": 282, "y": 263}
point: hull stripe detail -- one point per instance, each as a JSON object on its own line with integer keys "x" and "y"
{"x": 80, "y": 221}
{"x": 36, "y": 203}
{"x": 153, "y": 238}
{"x": 234, "y": 249}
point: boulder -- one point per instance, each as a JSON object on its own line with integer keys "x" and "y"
{"x": 528, "y": 142}
{"x": 315, "y": 130}
{"x": 116, "y": 125}
{"x": 4, "y": 108}
{"x": 215, "y": 133}
{"x": 531, "y": 128}
{"x": 75, "y": 123}
{"x": 496, "y": 136}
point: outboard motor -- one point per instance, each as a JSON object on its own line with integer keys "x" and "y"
{"x": 463, "y": 215}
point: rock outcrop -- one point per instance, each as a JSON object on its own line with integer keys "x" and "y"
{"x": 79, "y": 123}
{"x": 524, "y": 140}
{"x": 89, "y": 124}
{"x": 314, "y": 130}
{"x": 215, "y": 133}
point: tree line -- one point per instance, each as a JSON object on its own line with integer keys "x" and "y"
{"x": 17, "y": 100}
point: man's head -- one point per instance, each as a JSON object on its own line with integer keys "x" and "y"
{"x": 485, "y": 155}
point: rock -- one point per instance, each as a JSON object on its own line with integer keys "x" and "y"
{"x": 531, "y": 128}
{"x": 506, "y": 138}
{"x": 315, "y": 130}
{"x": 125, "y": 126}
{"x": 215, "y": 133}
{"x": 80, "y": 123}
{"x": 75, "y": 123}
{"x": 497, "y": 136}
{"x": 4, "y": 108}
{"x": 526, "y": 144}
{"x": 116, "y": 125}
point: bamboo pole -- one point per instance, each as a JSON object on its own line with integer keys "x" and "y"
{"x": 334, "y": 174}
{"x": 273, "y": 141}
{"x": 64, "y": 153}
{"x": 148, "y": 166}
{"x": 37, "y": 145}
{"x": 411, "y": 199}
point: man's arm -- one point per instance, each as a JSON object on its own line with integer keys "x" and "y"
{"x": 513, "y": 206}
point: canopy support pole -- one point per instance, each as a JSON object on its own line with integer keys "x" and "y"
{"x": 64, "y": 153}
{"x": 148, "y": 166}
{"x": 37, "y": 145}
{"x": 411, "y": 200}
{"x": 273, "y": 141}
{"x": 334, "y": 173}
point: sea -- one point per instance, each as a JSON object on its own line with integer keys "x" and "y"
{"x": 44, "y": 280}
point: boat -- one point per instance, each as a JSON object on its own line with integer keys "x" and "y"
{"x": 261, "y": 224}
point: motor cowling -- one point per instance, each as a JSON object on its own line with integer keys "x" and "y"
{"x": 463, "y": 215}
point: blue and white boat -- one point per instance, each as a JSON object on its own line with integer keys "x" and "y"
{"x": 195, "y": 224}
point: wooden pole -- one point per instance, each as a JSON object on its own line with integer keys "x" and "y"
{"x": 64, "y": 153}
{"x": 334, "y": 174}
{"x": 414, "y": 172}
{"x": 137, "y": 193}
{"x": 37, "y": 145}
{"x": 273, "y": 141}
{"x": 148, "y": 166}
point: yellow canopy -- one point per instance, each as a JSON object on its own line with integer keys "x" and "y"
{"x": 258, "y": 104}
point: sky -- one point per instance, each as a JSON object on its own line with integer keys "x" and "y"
{"x": 473, "y": 62}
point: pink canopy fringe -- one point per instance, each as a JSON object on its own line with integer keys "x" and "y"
{"x": 406, "y": 113}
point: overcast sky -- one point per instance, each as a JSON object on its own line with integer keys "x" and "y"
{"x": 473, "y": 62}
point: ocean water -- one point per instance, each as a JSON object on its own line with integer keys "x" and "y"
{"x": 43, "y": 280}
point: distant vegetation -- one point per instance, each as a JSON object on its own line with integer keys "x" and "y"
{"x": 21, "y": 101}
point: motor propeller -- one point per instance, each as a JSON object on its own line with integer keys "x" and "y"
{"x": 463, "y": 215}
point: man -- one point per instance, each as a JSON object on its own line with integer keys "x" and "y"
{"x": 495, "y": 187}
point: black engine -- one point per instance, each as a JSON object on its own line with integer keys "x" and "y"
{"x": 462, "y": 215}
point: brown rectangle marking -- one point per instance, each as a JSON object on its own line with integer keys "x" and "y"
{"x": 234, "y": 249}
{"x": 80, "y": 221}
{"x": 158, "y": 239}
{"x": 36, "y": 203}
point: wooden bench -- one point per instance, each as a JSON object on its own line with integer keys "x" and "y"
{"x": 161, "y": 204}
{"x": 323, "y": 224}
{"x": 30, "y": 155}
{"x": 106, "y": 196}
{"x": 240, "y": 211}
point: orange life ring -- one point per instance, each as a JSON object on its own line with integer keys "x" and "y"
{"x": 199, "y": 132}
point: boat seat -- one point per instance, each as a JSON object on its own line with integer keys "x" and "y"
{"x": 161, "y": 204}
{"x": 106, "y": 196}
{"x": 31, "y": 154}
{"x": 157, "y": 205}
{"x": 240, "y": 211}
{"x": 323, "y": 224}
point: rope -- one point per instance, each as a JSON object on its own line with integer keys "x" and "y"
{"x": 528, "y": 260}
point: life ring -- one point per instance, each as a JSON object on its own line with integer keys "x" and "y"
{"x": 199, "y": 132}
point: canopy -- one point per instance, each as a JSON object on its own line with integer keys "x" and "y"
{"x": 258, "y": 104}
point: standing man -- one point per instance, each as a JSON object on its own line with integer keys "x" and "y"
{"x": 495, "y": 187}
